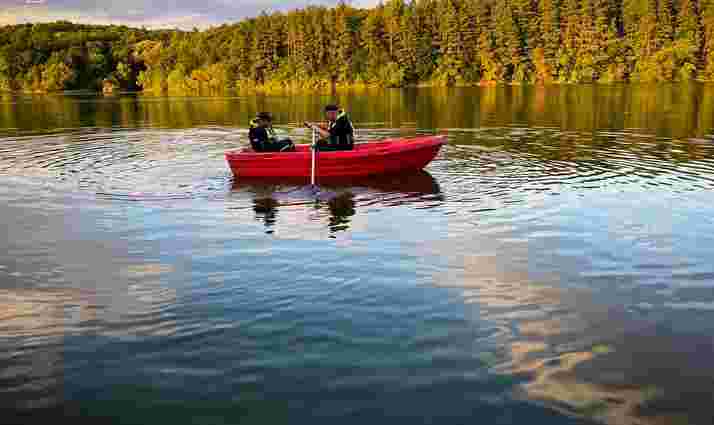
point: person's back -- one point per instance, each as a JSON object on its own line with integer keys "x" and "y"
{"x": 258, "y": 135}
{"x": 262, "y": 136}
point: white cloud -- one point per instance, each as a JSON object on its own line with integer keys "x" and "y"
{"x": 20, "y": 16}
{"x": 184, "y": 14}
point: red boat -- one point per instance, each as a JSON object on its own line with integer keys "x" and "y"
{"x": 384, "y": 157}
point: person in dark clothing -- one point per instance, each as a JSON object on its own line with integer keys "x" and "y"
{"x": 339, "y": 134}
{"x": 263, "y": 138}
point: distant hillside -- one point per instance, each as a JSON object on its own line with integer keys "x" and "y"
{"x": 442, "y": 42}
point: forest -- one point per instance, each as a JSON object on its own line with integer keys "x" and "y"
{"x": 395, "y": 44}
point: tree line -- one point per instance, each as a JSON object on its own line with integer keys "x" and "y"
{"x": 398, "y": 43}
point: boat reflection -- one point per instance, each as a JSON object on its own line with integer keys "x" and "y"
{"x": 338, "y": 200}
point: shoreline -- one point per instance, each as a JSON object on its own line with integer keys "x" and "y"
{"x": 271, "y": 88}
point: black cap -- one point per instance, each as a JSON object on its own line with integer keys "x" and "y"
{"x": 264, "y": 116}
{"x": 331, "y": 107}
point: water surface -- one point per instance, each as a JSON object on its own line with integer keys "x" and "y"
{"x": 552, "y": 265}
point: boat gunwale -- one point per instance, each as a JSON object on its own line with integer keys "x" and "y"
{"x": 395, "y": 146}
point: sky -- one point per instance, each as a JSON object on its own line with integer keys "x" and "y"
{"x": 185, "y": 14}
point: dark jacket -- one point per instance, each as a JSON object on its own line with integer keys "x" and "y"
{"x": 260, "y": 136}
{"x": 341, "y": 130}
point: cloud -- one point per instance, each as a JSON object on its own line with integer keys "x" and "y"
{"x": 184, "y": 14}
{"x": 14, "y": 16}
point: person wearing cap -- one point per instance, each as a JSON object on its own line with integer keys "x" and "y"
{"x": 339, "y": 133}
{"x": 263, "y": 138}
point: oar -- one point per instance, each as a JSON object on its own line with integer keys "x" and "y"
{"x": 313, "y": 147}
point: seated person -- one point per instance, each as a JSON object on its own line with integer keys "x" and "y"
{"x": 339, "y": 134}
{"x": 263, "y": 138}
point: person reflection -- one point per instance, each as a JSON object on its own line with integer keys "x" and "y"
{"x": 341, "y": 207}
{"x": 266, "y": 210}
{"x": 336, "y": 200}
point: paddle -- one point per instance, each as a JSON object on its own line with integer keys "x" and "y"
{"x": 313, "y": 148}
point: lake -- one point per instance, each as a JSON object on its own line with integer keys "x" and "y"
{"x": 553, "y": 265}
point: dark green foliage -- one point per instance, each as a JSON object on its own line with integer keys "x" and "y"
{"x": 549, "y": 42}
{"x": 400, "y": 42}
{"x": 707, "y": 10}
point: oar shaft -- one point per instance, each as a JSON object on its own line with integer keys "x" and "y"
{"x": 314, "y": 149}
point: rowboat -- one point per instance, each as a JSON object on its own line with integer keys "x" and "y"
{"x": 389, "y": 156}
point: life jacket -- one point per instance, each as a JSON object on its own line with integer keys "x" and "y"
{"x": 340, "y": 114}
{"x": 271, "y": 131}
{"x": 347, "y": 139}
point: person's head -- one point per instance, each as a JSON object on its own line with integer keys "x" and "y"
{"x": 264, "y": 119}
{"x": 331, "y": 112}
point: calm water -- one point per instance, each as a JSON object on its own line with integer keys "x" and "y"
{"x": 553, "y": 265}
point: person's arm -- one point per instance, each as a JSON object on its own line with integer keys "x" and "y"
{"x": 320, "y": 130}
{"x": 270, "y": 135}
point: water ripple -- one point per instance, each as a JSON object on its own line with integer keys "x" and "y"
{"x": 490, "y": 263}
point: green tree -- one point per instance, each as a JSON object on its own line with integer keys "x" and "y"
{"x": 393, "y": 12}
{"x": 510, "y": 44}
{"x": 401, "y": 42}
{"x": 492, "y": 68}
{"x": 372, "y": 40}
{"x": 665, "y": 23}
{"x": 568, "y": 52}
{"x": 56, "y": 76}
{"x": 708, "y": 33}
{"x": 688, "y": 22}
{"x": 7, "y": 70}
{"x": 124, "y": 74}
{"x": 451, "y": 60}
{"x": 427, "y": 34}
{"x": 470, "y": 32}
{"x": 345, "y": 41}
{"x": 549, "y": 11}
{"x": 407, "y": 54}
{"x": 297, "y": 48}
{"x": 688, "y": 40}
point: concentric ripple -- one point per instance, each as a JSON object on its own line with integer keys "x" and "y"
{"x": 126, "y": 163}
{"x": 137, "y": 275}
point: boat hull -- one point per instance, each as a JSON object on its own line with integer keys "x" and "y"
{"x": 367, "y": 159}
